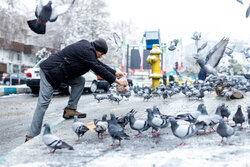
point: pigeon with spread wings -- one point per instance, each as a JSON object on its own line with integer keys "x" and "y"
{"x": 213, "y": 57}
{"x": 45, "y": 13}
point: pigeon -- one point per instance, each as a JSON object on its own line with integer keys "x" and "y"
{"x": 138, "y": 125}
{"x": 213, "y": 57}
{"x": 183, "y": 131}
{"x": 124, "y": 120}
{"x": 225, "y": 112}
{"x": 215, "y": 119}
{"x": 99, "y": 98}
{"x": 156, "y": 121}
{"x": 165, "y": 94}
{"x": 225, "y": 130}
{"x": 205, "y": 118}
{"x": 238, "y": 117}
{"x": 79, "y": 128}
{"x": 173, "y": 45}
{"x": 45, "y": 13}
{"x": 115, "y": 130}
{"x": 200, "y": 95}
{"x": 53, "y": 141}
{"x": 101, "y": 126}
{"x": 248, "y": 11}
{"x": 146, "y": 96}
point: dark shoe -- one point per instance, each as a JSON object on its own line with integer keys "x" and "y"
{"x": 70, "y": 113}
{"x": 27, "y": 138}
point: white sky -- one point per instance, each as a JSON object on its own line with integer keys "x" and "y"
{"x": 181, "y": 18}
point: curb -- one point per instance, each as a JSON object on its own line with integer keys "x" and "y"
{"x": 6, "y": 90}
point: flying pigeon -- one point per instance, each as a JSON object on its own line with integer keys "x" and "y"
{"x": 79, "y": 128}
{"x": 225, "y": 130}
{"x": 45, "y": 13}
{"x": 238, "y": 117}
{"x": 183, "y": 131}
{"x": 115, "y": 130}
{"x": 138, "y": 125}
{"x": 101, "y": 126}
{"x": 213, "y": 57}
{"x": 53, "y": 141}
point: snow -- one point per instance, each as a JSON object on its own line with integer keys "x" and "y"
{"x": 203, "y": 150}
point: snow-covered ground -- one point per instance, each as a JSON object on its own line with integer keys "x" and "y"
{"x": 203, "y": 150}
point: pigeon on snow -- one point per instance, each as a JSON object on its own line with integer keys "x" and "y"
{"x": 79, "y": 128}
{"x": 99, "y": 98}
{"x": 53, "y": 141}
{"x": 45, "y": 13}
{"x": 225, "y": 112}
{"x": 238, "y": 117}
{"x": 101, "y": 126}
{"x": 224, "y": 130}
{"x": 156, "y": 121}
{"x": 183, "y": 131}
{"x": 138, "y": 125}
{"x": 115, "y": 130}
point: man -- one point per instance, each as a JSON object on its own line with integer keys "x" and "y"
{"x": 68, "y": 65}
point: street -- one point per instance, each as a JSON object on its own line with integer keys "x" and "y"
{"x": 144, "y": 151}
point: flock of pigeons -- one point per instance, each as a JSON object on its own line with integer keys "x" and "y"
{"x": 183, "y": 125}
{"x": 194, "y": 91}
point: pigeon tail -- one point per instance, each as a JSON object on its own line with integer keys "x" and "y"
{"x": 36, "y": 27}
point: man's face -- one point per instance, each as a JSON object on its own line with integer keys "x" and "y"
{"x": 99, "y": 54}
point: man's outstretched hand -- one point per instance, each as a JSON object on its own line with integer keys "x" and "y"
{"x": 122, "y": 82}
{"x": 121, "y": 74}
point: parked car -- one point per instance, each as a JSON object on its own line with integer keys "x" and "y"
{"x": 15, "y": 79}
{"x": 33, "y": 80}
{"x": 103, "y": 84}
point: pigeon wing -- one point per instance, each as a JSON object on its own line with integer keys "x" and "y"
{"x": 215, "y": 54}
{"x": 51, "y": 140}
{"x": 59, "y": 10}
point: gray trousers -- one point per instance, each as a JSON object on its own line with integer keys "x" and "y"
{"x": 45, "y": 96}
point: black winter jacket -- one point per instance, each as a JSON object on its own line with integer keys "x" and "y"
{"x": 74, "y": 61}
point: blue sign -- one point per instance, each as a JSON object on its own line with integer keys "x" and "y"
{"x": 152, "y": 37}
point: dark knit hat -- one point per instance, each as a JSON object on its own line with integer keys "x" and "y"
{"x": 101, "y": 45}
